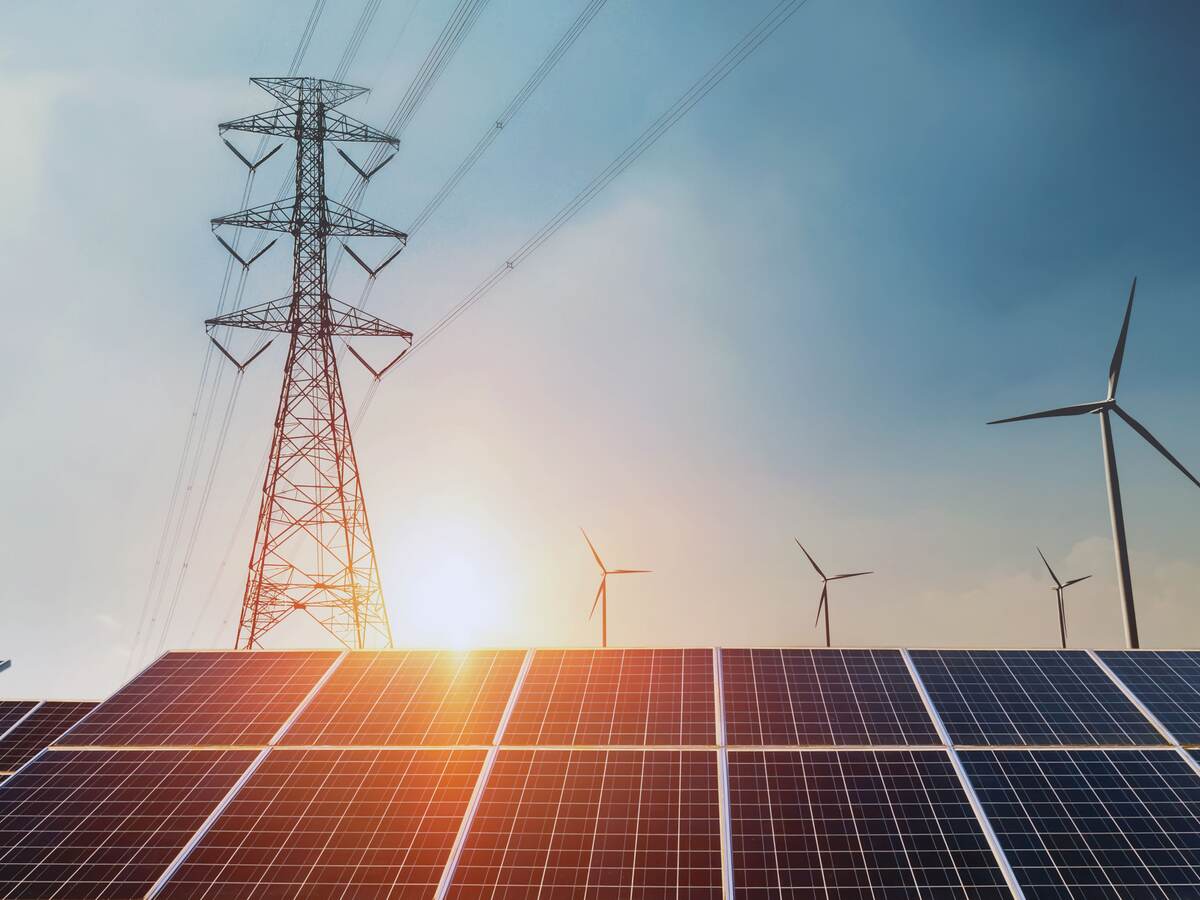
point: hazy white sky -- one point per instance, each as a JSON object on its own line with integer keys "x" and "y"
{"x": 790, "y": 318}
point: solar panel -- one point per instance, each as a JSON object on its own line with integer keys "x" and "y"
{"x": 1167, "y": 681}
{"x": 334, "y": 823}
{"x": 190, "y": 699}
{"x": 595, "y": 823}
{"x": 822, "y": 697}
{"x": 39, "y": 730}
{"x": 410, "y": 697}
{"x": 990, "y": 697}
{"x": 106, "y": 823}
{"x": 616, "y": 697}
{"x": 12, "y": 711}
{"x": 1093, "y": 823}
{"x": 827, "y": 823}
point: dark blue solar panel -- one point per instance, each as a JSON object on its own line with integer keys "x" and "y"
{"x": 1037, "y": 697}
{"x": 856, "y": 824}
{"x": 1093, "y": 823}
{"x": 822, "y": 697}
{"x": 1167, "y": 681}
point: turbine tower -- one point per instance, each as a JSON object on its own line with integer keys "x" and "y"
{"x": 602, "y": 591}
{"x": 823, "y": 604}
{"x": 1059, "y": 587}
{"x": 312, "y": 544}
{"x": 1104, "y": 408}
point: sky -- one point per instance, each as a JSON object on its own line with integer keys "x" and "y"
{"x": 790, "y": 319}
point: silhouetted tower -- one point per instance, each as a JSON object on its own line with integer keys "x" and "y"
{"x": 312, "y": 544}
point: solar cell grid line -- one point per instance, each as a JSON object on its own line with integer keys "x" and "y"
{"x": 1030, "y": 698}
{"x": 481, "y": 782}
{"x": 104, "y": 823}
{"x": 1167, "y": 682}
{"x": 856, "y": 823}
{"x": 615, "y": 697}
{"x": 1094, "y": 823}
{"x": 13, "y": 711}
{"x": 815, "y": 697}
{"x": 965, "y": 782}
{"x": 191, "y": 698}
{"x": 39, "y": 730}
{"x": 410, "y": 697}
{"x": 595, "y": 823}
{"x": 334, "y": 823}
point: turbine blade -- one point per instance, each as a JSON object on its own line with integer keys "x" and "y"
{"x": 596, "y": 602}
{"x": 1048, "y": 569}
{"x": 1076, "y": 581}
{"x": 821, "y": 605}
{"x": 849, "y": 575}
{"x": 593, "y": 549}
{"x": 1114, "y": 368}
{"x": 1077, "y": 410}
{"x": 630, "y": 571}
{"x": 810, "y": 559}
{"x": 1154, "y": 442}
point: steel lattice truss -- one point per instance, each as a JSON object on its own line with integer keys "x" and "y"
{"x": 312, "y": 545}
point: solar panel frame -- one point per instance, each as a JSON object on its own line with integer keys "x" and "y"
{"x": 334, "y": 822}
{"x": 856, "y": 823}
{"x": 410, "y": 697}
{"x": 105, "y": 823}
{"x": 13, "y": 711}
{"x": 1030, "y": 698}
{"x": 813, "y": 697}
{"x": 1093, "y": 823}
{"x": 589, "y": 822}
{"x": 1167, "y": 682}
{"x": 635, "y": 697}
{"x": 38, "y": 730}
{"x": 205, "y": 698}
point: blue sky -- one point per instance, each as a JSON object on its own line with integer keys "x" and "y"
{"x": 790, "y": 318}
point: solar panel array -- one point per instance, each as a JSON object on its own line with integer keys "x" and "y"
{"x": 603, "y": 773}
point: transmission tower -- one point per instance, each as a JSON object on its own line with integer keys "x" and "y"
{"x": 312, "y": 544}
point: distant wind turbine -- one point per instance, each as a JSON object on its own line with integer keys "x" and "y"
{"x": 602, "y": 591}
{"x": 1103, "y": 408}
{"x": 1059, "y": 587}
{"x": 825, "y": 579}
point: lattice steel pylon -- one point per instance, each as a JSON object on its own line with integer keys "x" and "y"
{"x": 312, "y": 545}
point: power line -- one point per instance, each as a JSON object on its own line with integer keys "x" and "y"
{"x": 732, "y": 58}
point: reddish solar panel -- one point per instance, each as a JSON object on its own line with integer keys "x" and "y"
{"x": 39, "y": 730}
{"x": 106, "y": 823}
{"x": 595, "y": 824}
{"x": 822, "y": 697}
{"x": 854, "y": 824}
{"x": 193, "y": 698}
{"x": 634, "y": 697}
{"x": 12, "y": 711}
{"x": 403, "y": 697}
{"x": 334, "y": 823}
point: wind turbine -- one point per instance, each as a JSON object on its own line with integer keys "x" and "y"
{"x": 825, "y": 579}
{"x": 602, "y": 591}
{"x": 1104, "y": 408}
{"x": 1059, "y": 587}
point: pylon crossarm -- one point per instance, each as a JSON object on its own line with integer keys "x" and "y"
{"x": 275, "y": 216}
{"x": 341, "y": 127}
{"x": 350, "y": 223}
{"x": 350, "y": 321}
{"x": 278, "y": 122}
{"x": 274, "y": 315}
{"x": 289, "y": 89}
